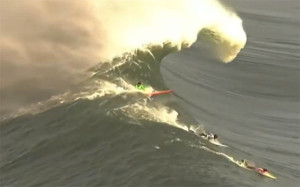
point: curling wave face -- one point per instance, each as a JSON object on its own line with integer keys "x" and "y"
{"x": 140, "y": 23}
{"x": 98, "y": 30}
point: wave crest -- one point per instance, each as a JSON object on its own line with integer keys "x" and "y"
{"x": 140, "y": 23}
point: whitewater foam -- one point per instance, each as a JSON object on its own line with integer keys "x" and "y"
{"x": 140, "y": 23}
{"x": 141, "y": 110}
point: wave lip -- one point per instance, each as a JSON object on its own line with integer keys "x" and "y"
{"x": 176, "y": 22}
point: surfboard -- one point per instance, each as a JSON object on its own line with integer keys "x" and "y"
{"x": 159, "y": 93}
{"x": 216, "y": 142}
{"x": 267, "y": 174}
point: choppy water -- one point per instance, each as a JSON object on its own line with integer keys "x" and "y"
{"x": 116, "y": 137}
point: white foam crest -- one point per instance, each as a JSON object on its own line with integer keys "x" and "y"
{"x": 133, "y": 24}
{"x": 161, "y": 114}
{"x": 97, "y": 89}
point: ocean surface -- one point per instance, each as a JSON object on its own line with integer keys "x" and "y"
{"x": 105, "y": 133}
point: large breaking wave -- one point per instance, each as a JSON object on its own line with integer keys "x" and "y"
{"x": 139, "y": 23}
{"x": 138, "y": 37}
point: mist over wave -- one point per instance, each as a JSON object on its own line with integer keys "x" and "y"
{"x": 46, "y": 44}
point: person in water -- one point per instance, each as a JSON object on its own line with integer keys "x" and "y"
{"x": 209, "y": 136}
{"x": 214, "y": 137}
{"x": 244, "y": 162}
{"x": 247, "y": 164}
{"x": 140, "y": 86}
{"x": 262, "y": 170}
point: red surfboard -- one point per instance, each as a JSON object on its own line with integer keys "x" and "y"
{"x": 159, "y": 93}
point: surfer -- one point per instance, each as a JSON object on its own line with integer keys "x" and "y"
{"x": 246, "y": 164}
{"x": 213, "y": 137}
{"x": 261, "y": 171}
{"x": 209, "y": 136}
{"x": 140, "y": 86}
{"x": 151, "y": 92}
{"x": 249, "y": 166}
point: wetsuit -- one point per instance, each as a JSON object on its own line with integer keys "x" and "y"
{"x": 140, "y": 87}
